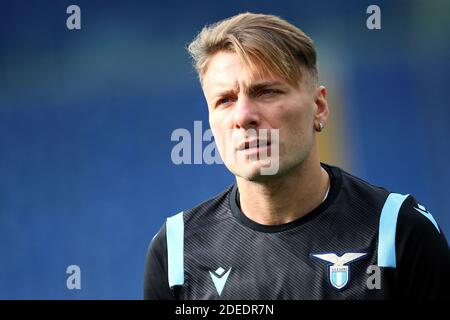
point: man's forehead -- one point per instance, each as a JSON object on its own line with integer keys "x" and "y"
{"x": 246, "y": 85}
{"x": 226, "y": 72}
{"x": 219, "y": 84}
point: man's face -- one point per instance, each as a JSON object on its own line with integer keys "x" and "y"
{"x": 238, "y": 106}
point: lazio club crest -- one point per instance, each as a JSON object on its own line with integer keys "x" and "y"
{"x": 338, "y": 276}
{"x": 338, "y": 271}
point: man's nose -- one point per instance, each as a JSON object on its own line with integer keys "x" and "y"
{"x": 246, "y": 114}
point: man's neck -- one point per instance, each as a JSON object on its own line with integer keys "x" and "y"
{"x": 284, "y": 199}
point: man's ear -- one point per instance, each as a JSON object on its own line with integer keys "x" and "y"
{"x": 321, "y": 110}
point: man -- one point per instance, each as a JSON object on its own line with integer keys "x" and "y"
{"x": 305, "y": 230}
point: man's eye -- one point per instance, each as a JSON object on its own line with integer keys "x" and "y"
{"x": 222, "y": 101}
{"x": 268, "y": 92}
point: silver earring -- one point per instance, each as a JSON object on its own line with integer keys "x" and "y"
{"x": 320, "y": 127}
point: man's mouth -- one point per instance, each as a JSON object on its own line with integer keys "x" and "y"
{"x": 254, "y": 143}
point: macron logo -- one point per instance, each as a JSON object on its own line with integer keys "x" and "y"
{"x": 219, "y": 277}
{"x": 427, "y": 215}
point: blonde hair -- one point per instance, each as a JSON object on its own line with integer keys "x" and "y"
{"x": 263, "y": 43}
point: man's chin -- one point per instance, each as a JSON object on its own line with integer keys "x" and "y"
{"x": 256, "y": 172}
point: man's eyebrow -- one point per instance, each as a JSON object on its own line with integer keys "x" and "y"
{"x": 262, "y": 85}
{"x": 250, "y": 89}
{"x": 224, "y": 93}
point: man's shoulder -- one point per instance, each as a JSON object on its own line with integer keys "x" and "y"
{"x": 201, "y": 214}
{"x": 210, "y": 208}
{"x": 416, "y": 220}
{"x": 413, "y": 217}
{"x": 354, "y": 181}
{"x": 355, "y": 188}
{"x": 361, "y": 199}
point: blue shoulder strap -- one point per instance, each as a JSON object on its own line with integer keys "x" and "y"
{"x": 175, "y": 249}
{"x": 387, "y": 230}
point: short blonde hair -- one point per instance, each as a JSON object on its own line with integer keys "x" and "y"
{"x": 264, "y": 44}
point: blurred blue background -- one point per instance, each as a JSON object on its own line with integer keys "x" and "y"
{"x": 86, "y": 117}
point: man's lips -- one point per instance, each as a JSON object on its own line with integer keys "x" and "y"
{"x": 255, "y": 143}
